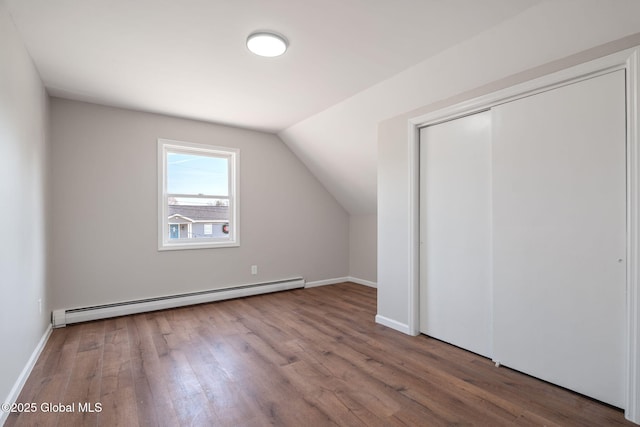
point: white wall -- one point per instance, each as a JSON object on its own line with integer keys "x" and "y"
{"x": 23, "y": 194}
{"x": 339, "y": 144}
{"x": 449, "y": 86}
{"x": 104, "y": 211}
{"x": 363, "y": 247}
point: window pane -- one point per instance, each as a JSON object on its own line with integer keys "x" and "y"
{"x": 197, "y": 218}
{"x": 194, "y": 174}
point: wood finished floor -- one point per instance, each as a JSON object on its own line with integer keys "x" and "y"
{"x": 310, "y": 357}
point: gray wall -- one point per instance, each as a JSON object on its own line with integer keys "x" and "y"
{"x": 23, "y": 194}
{"x": 363, "y": 247}
{"x": 104, "y": 168}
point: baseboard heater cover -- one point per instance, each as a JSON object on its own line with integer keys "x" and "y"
{"x": 61, "y": 318}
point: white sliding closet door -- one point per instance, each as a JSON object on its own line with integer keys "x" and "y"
{"x": 559, "y": 218}
{"x": 455, "y": 234}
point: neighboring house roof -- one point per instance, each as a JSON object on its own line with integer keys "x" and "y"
{"x": 200, "y": 213}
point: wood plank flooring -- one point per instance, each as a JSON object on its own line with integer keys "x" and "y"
{"x": 309, "y": 357}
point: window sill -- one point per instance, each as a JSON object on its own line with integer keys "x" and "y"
{"x": 203, "y": 245}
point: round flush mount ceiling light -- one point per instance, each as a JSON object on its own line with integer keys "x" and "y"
{"x": 265, "y": 43}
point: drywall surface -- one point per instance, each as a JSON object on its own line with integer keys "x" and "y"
{"x": 393, "y": 222}
{"x": 23, "y": 192}
{"x": 395, "y": 268}
{"x": 363, "y": 247}
{"x": 105, "y": 211}
{"x": 339, "y": 144}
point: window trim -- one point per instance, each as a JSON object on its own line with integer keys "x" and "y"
{"x": 169, "y": 145}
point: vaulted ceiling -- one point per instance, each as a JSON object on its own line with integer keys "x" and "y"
{"x": 188, "y": 59}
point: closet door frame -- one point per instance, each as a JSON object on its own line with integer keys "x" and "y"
{"x": 628, "y": 60}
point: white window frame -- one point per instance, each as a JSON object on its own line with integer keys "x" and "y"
{"x": 166, "y": 146}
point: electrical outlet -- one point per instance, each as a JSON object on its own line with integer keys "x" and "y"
{"x": 254, "y": 270}
{"x": 40, "y": 305}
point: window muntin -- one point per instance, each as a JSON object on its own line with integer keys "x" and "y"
{"x": 198, "y": 197}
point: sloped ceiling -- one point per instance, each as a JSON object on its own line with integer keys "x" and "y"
{"x": 351, "y": 63}
{"x": 339, "y": 145}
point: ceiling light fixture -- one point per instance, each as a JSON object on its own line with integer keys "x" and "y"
{"x": 265, "y": 43}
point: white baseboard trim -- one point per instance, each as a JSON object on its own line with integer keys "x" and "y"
{"x": 26, "y": 371}
{"x": 393, "y": 324}
{"x": 326, "y": 282}
{"x": 362, "y": 282}
{"x": 341, "y": 280}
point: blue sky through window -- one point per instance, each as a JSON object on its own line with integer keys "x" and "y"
{"x": 194, "y": 174}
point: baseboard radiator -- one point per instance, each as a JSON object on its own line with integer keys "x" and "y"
{"x": 61, "y": 318}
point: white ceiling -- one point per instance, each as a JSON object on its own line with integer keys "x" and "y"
{"x": 188, "y": 59}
